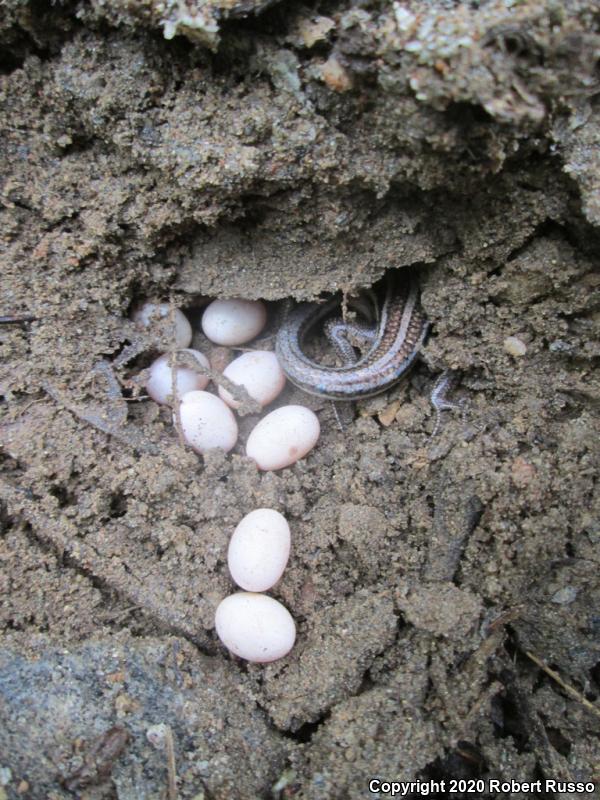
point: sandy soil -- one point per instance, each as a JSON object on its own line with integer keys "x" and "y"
{"x": 445, "y": 589}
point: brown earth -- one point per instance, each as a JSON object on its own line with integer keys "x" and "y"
{"x": 445, "y": 589}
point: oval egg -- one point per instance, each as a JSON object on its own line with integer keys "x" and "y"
{"x": 206, "y": 422}
{"x": 160, "y": 313}
{"x": 160, "y": 377}
{"x": 232, "y": 322}
{"x": 259, "y": 550}
{"x": 283, "y": 437}
{"x": 255, "y": 627}
{"x": 259, "y": 372}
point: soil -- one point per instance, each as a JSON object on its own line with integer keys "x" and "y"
{"x": 445, "y": 588}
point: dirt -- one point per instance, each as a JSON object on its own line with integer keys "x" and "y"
{"x": 445, "y": 588}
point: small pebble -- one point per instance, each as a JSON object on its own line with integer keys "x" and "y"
{"x": 207, "y": 423}
{"x": 335, "y": 75}
{"x": 283, "y": 437}
{"x": 255, "y": 627}
{"x": 314, "y": 29}
{"x": 155, "y": 313}
{"x": 560, "y": 346}
{"x": 233, "y": 322}
{"x": 514, "y": 346}
{"x": 565, "y": 596}
{"x": 157, "y": 734}
{"x": 259, "y": 550}
{"x": 160, "y": 377}
{"x": 259, "y": 372}
{"x": 522, "y": 472}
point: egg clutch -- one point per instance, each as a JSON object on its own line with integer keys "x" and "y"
{"x": 250, "y": 624}
{"x": 208, "y": 420}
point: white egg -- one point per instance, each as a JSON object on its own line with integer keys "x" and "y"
{"x": 206, "y": 422}
{"x": 283, "y": 437}
{"x": 160, "y": 377}
{"x": 156, "y": 313}
{"x": 255, "y": 627}
{"x": 259, "y": 550}
{"x": 259, "y": 372}
{"x": 233, "y": 322}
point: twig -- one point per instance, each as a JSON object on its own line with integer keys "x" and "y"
{"x": 171, "y": 769}
{"x": 239, "y": 392}
{"x": 570, "y": 690}
{"x": 175, "y": 395}
{"x": 454, "y": 520}
{"x": 16, "y": 319}
{"x": 510, "y": 615}
{"x": 476, "y": 709}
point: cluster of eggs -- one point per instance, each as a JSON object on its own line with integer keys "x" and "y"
{"x": 207, "y": 420}
{"x": 250, "y": 624}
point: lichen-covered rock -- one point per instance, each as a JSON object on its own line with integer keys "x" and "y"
{"x": 57, "y": 708}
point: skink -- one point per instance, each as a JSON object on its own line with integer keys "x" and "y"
{"x": 389, "y": 347}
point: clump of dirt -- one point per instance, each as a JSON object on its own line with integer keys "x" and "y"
{"x": 445, "y": 588}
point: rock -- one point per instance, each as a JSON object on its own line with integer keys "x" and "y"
{"x": 222, "y": 741}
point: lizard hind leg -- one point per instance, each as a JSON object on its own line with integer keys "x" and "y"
{"x": 446, "y": 383}
{"x": 347, "y": 337}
